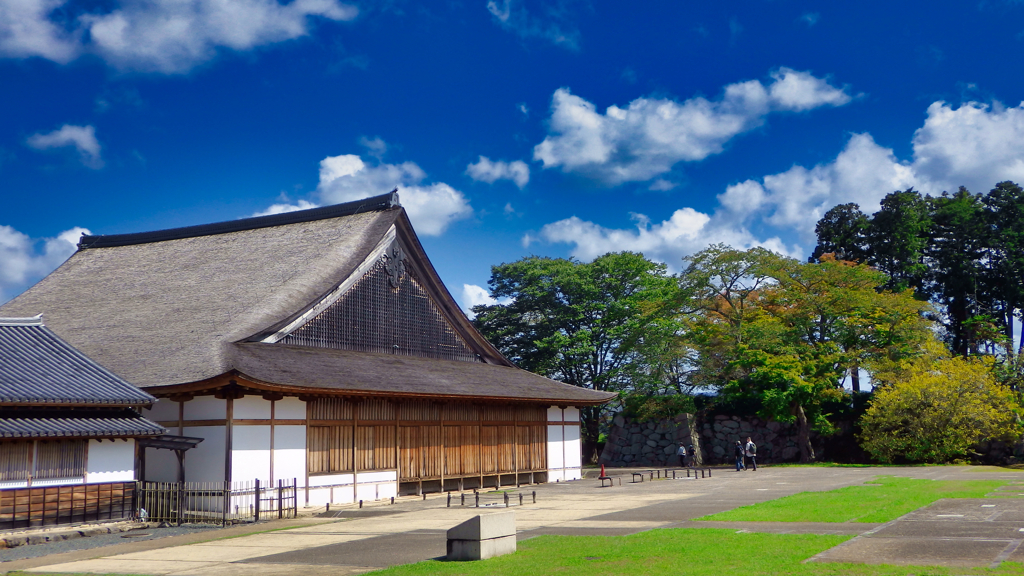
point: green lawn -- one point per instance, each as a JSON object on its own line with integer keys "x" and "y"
{"x": 881, "y": 500}
{"x": 694, "y": 552}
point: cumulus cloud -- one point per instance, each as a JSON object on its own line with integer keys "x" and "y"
{"x": 431, "y": 207}
{"x": 24, "y": 260}
{"x": 553, "y": 25}
{"x": 82, "y": 138}
{"x": 975, "y": 145}
{"x": 283, "y": 207}
{"x": 473, "y": 295}
{"x": 486, "y": 170}
{"x": 648, "y": 137}
{"x": 169, "y": 36}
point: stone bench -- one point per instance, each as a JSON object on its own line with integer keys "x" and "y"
{"x": 484, "y": 536}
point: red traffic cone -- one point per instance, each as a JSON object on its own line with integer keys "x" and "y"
{"x": 602, "y": 471}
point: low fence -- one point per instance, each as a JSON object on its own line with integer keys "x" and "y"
{"x": 74, "y": 504}
{"x": 216, "y": 502}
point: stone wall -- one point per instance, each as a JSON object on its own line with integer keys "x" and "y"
{"x": 654, "y": 443}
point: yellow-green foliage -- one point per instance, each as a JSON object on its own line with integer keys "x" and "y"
{"x": 937, "y": 413}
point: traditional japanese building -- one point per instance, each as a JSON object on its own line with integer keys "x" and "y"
{"x": 319, "y": 345}
{"x": 69, "y": 431}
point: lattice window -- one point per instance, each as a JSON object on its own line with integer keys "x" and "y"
{"x": 64, "y": 459}
{"x": 388, "y": 312}
{"x": 15, "y": 460}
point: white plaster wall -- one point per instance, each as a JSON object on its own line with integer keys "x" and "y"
{"x": 205, "y": 462}
{"x": 376, "y": 491}
{"x": 573, "y": 448}
{"x": 290, "y": 409}
{"x": 108, "y": 461}
{"x": 336, "y": 495}
{"x": 251, "y": 407}
{"x": 250, "y": 459}
{"x": 162, "y": 465}
{"x": 205, "y": 408}
{"x": 162, "y": 411}
{"x": 57, "y": 482}
{"x": 382, "y": 476}
{"x": 554, "y": 414}
{"x": 289, "y": 453}
{"x": 555, "y": 447}
{"x": 330, "y": 479}
{"x": 572, "y": 414}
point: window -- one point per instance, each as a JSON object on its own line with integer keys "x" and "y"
{"x": 42, "y": 460}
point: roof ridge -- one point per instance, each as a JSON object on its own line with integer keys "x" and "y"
{"x": 371, "y": 204}
{"x": 36, "y": 320}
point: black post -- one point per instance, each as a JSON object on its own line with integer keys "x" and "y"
{"x": 295, "y": 497}
{"x": 520, "y": 498}
{"x": 477, "y": 499}
{"x": 463, "y": 503}
{"x": 506, "y": 499}
{"x": 256, "y": 515}
{"x": 449, "y": 500}
{"x": 280, "y": 500}
{"x": 535, "y": 493}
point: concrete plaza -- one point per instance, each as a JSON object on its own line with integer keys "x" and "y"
{"x": 963, "y": 533}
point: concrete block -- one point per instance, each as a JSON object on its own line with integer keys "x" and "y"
{"x": 480, "y": 549}
{"x": 483, "y": 536}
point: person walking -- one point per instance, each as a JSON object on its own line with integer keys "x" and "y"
{"x": 682, "y": 456}
{"x": 751, "y": 452}
{"x": 738, "y": 449}
{"x": 691, "y": 456}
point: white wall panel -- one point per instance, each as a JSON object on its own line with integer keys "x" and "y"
{"x": 573, "y": 448}
{"x": 162, "y": 411}
{"x": 110, "y": 461}
{"x": 162, "y": 465}
{"x": 205, "y": 462}
{"x": 251, "y": 453}
{"x": 554, "y": 447}
{"x": 572, "y": 414}
{"x": 251, "y": 407}
{"x": 205, "y": 408}
{"x": 290, "y": 453}
{"x": 382, "y": 476}
{"x": 554, "y": 414}
{"x": 330, "y": 479}
{"x": 290, "y": 409}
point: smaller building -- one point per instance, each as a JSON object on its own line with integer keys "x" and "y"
{"x": 68, "y": 431}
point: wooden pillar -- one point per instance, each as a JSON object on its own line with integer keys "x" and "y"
{"x": 480, "y": 444}
{"x": 563, "y": 443}
{"x": 444, "y": 452}
{"x": 355, "y": 451}
{"x": 309, "y": 409}
{"x": 515, "y": 442}
{"x": 398, "y": 446}
{"x": 181, "y": 417}
{"x": 228, "y": 435}
{"x": 272, "y": 403}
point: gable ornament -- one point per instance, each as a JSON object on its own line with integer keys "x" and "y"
{"x": 394, "y": 264}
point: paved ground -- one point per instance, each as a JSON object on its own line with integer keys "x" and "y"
{"x": 413, "y": 530}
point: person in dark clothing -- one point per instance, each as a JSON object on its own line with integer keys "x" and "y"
{"x": 691, "y": 456}
{"x": 682, "y": 456}
{"x": 739, "y": 455}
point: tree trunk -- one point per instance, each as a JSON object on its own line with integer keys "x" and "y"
{"x": 591, "y": 433}
{"x": 855, "y": 378}
{"x": 804, "y": 436}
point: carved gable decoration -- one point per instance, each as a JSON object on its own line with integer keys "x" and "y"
{"x": 386, "y": 311}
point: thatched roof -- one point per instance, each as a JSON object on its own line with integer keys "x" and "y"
{"x": 167, "y": 308}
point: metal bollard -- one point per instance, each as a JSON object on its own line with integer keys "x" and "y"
{"x": 506, "y": 499}
{"x": 535, "y": 493}
{"x": 328, "y": 506}
{"x": 392, "y": 499}
{"x": 463, "y": 499}
{"x": 449, "y": 500}
{"x": 424, "y": 496}
{"x": 701, "y": 472}
{"x": 360, "y": 503}
{"x": 709, "y": 472}
{"x": 477, "y": 499}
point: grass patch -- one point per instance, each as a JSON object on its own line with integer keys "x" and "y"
{"x": 881, "y": 500}
{"x": 694, "y": 552}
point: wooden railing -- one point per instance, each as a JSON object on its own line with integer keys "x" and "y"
{"x": 74, "y": 504}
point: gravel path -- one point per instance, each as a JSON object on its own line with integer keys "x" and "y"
{"x": 36, "y": 550}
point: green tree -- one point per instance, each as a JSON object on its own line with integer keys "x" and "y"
{"x": 842, "y": 231}
{"x": 786, "y": 333}
{"x": 897, "y": 238}
{"x": 598, "y": 325}
{"x": 939, "y": 413}
{"x": 1004, "y": 215}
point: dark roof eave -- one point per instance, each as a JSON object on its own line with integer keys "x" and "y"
{"x": 214, "y": 383}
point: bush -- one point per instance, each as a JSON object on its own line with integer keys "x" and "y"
{"x": 645, "y": 408}
{"x": 939, "y": 414}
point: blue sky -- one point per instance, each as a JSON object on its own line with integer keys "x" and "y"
{"x": 511, "y": 128}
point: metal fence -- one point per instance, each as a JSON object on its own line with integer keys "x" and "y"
{"x": 216, "y": 502}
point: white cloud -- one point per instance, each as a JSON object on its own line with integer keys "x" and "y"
{"x": 82, "y": 138}
{"x": 473, "y": 295}
{"x": 286, "y": 207}
{"x": 486, "y": 170}
{"x": 31, "y": 28}
{"x": 376, "y": 146}
{"x": 647, "y": 138}
{"x": 554, "y": 26}
{"x": 431, "y": 207}
{"x": 810, "y": 18}
{"x": 974, "y": 145}
{"x": 24, "y": 260}
{"x": 168, "y": 36}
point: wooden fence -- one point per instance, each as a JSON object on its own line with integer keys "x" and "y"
{"x": 216, "y": 502}
{"x": 52, "y": 505}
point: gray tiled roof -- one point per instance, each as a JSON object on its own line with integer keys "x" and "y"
{"x": 37, "y": 367}
{"x": 117, "y": 423}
